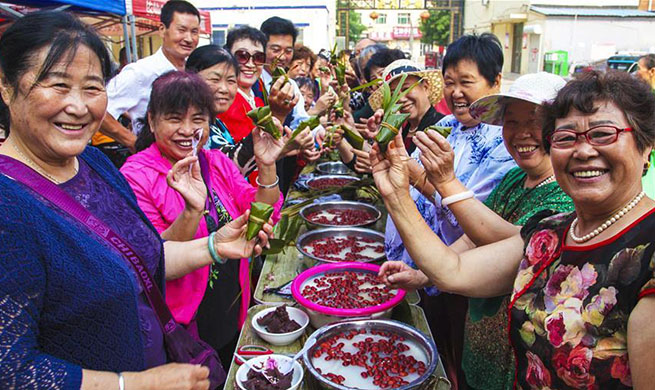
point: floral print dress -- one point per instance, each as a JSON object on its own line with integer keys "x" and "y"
{"x": 570, "y": 305}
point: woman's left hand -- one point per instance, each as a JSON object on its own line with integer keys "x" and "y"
{"x": 437, "y": 157}
{"x": 230, "y": 241}
{"x": 267, "y": 149}
{"x": 186, "y": 179}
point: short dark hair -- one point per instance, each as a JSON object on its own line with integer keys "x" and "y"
{"x": 175, "y": 91}
{"x": 279, "y": 26}
{"x": 484, "y": 50}
{"x": 61, "y": 31}
{"x": 630, "y": 95}
{"x": 245, "y": 32}
{"x": 207, "y": 56}
{"x": 307, "y": 82}
{"x": 301, "y": 52}
{"x": 649, "y": 61}
{"x": 382, "y": 59}
{"x": 179, "y": 6}
{"x": 365, "y": 55}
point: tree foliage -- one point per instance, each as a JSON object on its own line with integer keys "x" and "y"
{"x": 436, "y": 28}
{"x": 356, "y": 26}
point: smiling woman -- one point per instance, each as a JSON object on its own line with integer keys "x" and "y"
{"x": 176, "y": 201}
{"x": 75, "y": 313}
{"x": 582, "y": 284}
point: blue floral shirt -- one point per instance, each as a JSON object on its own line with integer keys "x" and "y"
{"x": 481, "y": 162}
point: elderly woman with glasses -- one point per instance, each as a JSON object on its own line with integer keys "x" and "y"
{"x": 582, "y": 284}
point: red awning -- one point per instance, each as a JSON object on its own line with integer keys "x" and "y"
{"x": 150, "y": 9}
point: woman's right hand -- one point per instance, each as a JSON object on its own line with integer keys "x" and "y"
{"x": 391, "y": 174}
{"x": 396, "y": 274}
{"x": 171, "y": 376}
{"x": 437, "y": 157}
{"x": 185, "y": 178}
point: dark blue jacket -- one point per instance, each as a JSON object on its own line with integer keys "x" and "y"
{"x": 67, "y": 301}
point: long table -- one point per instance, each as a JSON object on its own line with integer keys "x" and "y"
{"x": 282, "y": 268}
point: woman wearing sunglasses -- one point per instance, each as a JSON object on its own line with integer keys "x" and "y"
{"x": 247, "y": 45}
{"x": 582, "y": 307}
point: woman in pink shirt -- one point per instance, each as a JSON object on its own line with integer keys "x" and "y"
{"x": 177, "y": 202}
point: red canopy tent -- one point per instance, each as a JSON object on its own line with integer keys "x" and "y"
{"x": 150, "y": 9}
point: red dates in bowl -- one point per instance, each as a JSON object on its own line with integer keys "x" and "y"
{"x": 340, "y": 214}
{"x": 333, "y": 245}
{"x": 330, "y": 181}
{"x": 370, "y": 355}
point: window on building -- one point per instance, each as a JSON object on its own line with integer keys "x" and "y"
{"x": 382, "y": 19}
{"x": 403, "y": 18}
{"x": 218, "y": 37}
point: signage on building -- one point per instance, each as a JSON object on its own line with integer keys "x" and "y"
{"x": 404, "y": 32}
{"x": 380, "y": 36}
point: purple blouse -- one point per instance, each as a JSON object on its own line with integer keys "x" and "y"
{"x": 101, "y": 199}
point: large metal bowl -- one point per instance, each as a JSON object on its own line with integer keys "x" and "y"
{"x": 316, "y": 179}
{"x": 320, "y": 315}
{"x": 333, "y": 168}
{"x": 341, "y": 205}
{"x": 311, "y": 235}
{"x": 404, "y": 330}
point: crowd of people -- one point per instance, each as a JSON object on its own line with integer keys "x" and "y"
{"x": 534, "y": 216}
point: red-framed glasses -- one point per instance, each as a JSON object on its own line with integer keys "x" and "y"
{"x": 597, "y": 136}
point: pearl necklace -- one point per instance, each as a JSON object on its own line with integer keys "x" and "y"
{"x": 548, "y": 180}
{"x": 605, "y": 224}
{"x": 37, "y": 167}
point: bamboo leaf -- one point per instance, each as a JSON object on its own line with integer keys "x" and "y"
{"x": 396, "y": 93}
{"x": 277, "y": 246}
{"x": 364, "y": 86}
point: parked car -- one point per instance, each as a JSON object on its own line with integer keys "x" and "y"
{"x": 625, "y": 63}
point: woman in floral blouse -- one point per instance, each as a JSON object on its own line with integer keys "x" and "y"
{"x": 487, "y": 357}
{"x": 582, "y": 308}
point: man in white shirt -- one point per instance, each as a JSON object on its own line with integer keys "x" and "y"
{"x": 129, "y": 91}
{"x": 281, "y": 35}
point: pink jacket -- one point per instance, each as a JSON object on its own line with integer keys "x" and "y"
{"x": 146, "y": 173}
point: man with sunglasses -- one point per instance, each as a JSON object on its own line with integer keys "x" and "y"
{"x": 285, "y": 98}
{"x": 129, "y": 91}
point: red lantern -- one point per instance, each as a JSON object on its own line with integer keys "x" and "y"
{"x": 373, "y": 15}
{"x": 425, "y": 15}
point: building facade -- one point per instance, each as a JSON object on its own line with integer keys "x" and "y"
{"x": 396, "y": 22}
{"x": 586, "y": 31}
{"x": 315, "y": 19}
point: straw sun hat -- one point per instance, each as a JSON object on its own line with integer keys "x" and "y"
{"x": 537, "y": 88}
{"x": 432, "y": 78}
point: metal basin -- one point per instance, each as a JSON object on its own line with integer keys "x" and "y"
{"x": 402, "y": 329}
{"x": 340, "y": 205}
{"x": 312, "y": 183}
{"x": 333, "y": 168}
{"x": 312, "y": 235}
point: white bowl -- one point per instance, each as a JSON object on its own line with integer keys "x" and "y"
{"x": 281, "y": 338}
{"x": 242, "y": 372}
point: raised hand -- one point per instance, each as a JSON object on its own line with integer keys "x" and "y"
{"x": 437, "y": 157}
{"x": 267, "y": 149}
{"x": 391, "y": 174}
{"x": 373, "y": 125}
{"x": 282, "y": 98}
{"x": 188, "y": 183}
